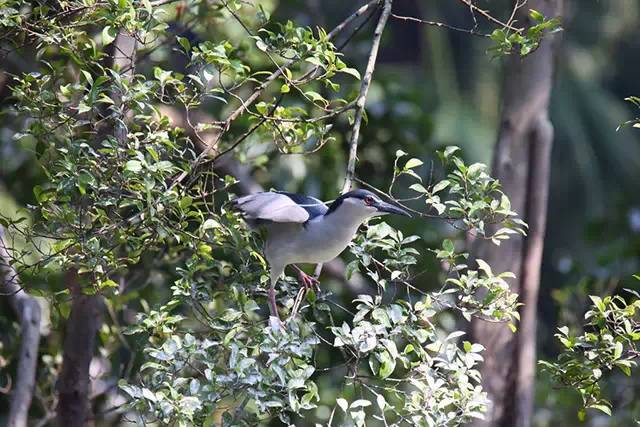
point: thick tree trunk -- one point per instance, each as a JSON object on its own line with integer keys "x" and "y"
{"x": 74, "y": 385}
{"x": 521, "y": 163}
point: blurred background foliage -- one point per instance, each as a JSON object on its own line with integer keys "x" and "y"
{"x": 433, "y": 88}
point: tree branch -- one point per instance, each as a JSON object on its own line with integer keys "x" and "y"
{"x": 28, "y": 312}
{"x": 489, "y": 17}
{"x": 470, "y": 31}
{"x": 362, "y": 97}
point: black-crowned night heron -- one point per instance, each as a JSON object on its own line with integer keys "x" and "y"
{"x": 302, "y": 229}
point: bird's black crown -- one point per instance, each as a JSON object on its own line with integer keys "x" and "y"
{"x": 356, "y": 194}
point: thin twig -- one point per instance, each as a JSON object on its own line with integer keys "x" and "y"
{"x": 362, "y": 97}
{"x": 471, "y": 31}
{"x": 249, "y": 132}
{"x": 489, "y": 16}
{"x": 517, "y": 6}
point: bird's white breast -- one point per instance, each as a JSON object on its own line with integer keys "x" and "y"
{"x": 319, "y": 240}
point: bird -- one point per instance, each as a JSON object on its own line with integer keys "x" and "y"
{"x": 301, "y": 229}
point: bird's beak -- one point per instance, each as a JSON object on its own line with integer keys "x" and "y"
{"x": 392, "y": 209}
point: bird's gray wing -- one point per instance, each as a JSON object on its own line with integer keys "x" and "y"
{"x": 270, "y": 206}
{"x": 313, "y": 206}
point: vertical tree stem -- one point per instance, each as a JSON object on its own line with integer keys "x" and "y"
{"x": 362, "y": 96}
{"x": 28, "y": 311}
{"x": 86, "y": 310}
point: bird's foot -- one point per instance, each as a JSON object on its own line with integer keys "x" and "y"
{"x": 307, "y": 282}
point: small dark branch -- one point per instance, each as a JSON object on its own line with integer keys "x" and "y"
{"x": 471, "y": 31}
{"x": 518, "y": 5}
{"x": 489, "y": 17}
{"x": 362, "y": 97}
{"x": 355, "y": 15}
{"x": 250, "y": 131}
{"x": 159, "y": 3}
{"x": 27, "y": 310}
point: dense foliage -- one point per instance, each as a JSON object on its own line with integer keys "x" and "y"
{"x": 610, "y": 341}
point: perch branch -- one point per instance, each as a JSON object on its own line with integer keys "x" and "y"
{"x": 362, "y": 97}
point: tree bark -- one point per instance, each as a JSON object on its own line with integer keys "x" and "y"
{"x": 28, "y": 312}
{"x": 521, "y": 162}
{"x": 83, "y": 324}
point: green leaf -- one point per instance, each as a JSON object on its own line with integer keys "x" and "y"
{"x": 184, "y": 42}
{"x": 413, "y": 163}
{"x": 450, "y": 150}
{"x": 315, "y": 96}
{"x": 440, "y": 186}
{"x": 535, "y": 15}
{"x": 603, "y": 408}
{"x": 380, "y": 400}
{"x": 360, "y": 403}
{"x": 597, "y": 301}
{"x": 134, "y": 166}
{"x": 262, "y": 45}
{"x": 351, "y": 268}
{"x": 418, "y": 187}
{"x": 209, "y": 224}
{"x": 284, "y": 88}
{"x": 350, "y": 71}
{"x": 387, "y": 364}
{"x": 482, "y": 265}
{"x": 108, "y": 35}
{"x": 448, "y": 246}
{"x": 617, "y": 351}
{"x": 185, "y": 202}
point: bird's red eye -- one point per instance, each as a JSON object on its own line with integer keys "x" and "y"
{"x": 368, "y": 200}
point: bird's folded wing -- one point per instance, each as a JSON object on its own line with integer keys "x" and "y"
{"x": 270, "y": 206}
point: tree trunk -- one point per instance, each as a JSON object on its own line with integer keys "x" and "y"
{"x": 28, "y": 312}
{"x": 86, "y": 310}
{"x": 73, "y": 385}
{"x": 521, "y": 162}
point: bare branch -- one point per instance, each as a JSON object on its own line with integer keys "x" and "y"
{"x": 471, "y": 31}
{"x": 489, "y": 17}
{"x": 28, "y": 311}
{"x": 362, "y": 97}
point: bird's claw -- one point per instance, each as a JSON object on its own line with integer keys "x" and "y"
{"x": 308, "y": 282}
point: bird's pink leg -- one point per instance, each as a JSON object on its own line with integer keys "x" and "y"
{"x": 307, "y": 281}
{"x": 273, "y": 307}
